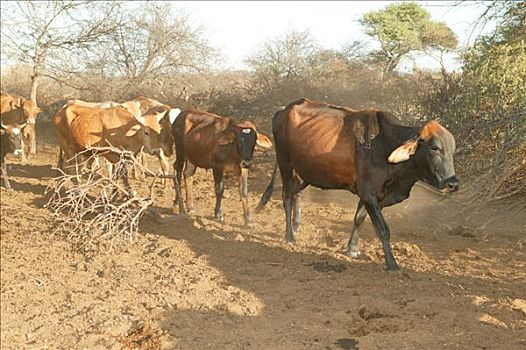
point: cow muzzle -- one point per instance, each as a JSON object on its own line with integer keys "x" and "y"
{"x": 450, "y": 185}
{"x": 246, "y": 163}
{"x": 18, "y": 152}
{"x": 155, "y": 152}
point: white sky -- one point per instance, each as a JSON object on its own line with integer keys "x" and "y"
{"x": 237, "y": 27}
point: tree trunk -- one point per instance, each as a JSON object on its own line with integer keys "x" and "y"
{"x": 32, "y": 139}
{"x": 34, "y": 86}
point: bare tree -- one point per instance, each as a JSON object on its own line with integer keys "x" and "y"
{"x": 285, "y": 57}
{"x": 152, "y": 43}
{"x": 40, "y": 32}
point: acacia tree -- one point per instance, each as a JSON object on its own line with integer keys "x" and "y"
{"x": 403, "y": 28}
{"x": 39, "y": 32}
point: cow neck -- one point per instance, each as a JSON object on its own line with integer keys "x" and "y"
{"x": 396, "y": 134}
{"x": 405, "y": 173}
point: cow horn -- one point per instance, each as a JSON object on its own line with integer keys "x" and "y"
{"x": 3, "y": 126}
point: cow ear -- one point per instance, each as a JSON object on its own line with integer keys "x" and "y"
{"x": 140, "y": 119}
{"x": 133, "y": 130}
{"x": 173, "y": 113}
{"x": 160, "y": 116}
{"x": 263, "y": 140}
{"x": 226, "y": 138}
{"x": 403, "y": 152}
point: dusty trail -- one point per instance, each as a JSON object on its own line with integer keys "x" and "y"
{"x": 193, "y": 283}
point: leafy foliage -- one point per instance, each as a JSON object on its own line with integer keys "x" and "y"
{"x": 402, "y": 28}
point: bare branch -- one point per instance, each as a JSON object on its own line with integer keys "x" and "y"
{"x": 91, "y": 204}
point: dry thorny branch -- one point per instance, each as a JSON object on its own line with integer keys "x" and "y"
{"x": 93, "y": 203}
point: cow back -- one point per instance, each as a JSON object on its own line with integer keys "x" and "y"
{"x": 100, "y": 127}
{"x": 319, "y": 142}
{"x": 197, "y": 132}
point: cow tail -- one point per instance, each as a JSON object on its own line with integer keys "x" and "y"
{"x": 268, "y": 192}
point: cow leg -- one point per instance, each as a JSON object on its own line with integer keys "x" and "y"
{"x": 34, "y": 143}
{"x": 120, "y": 172}
{"x": 137, "y": 172}
{"x": 31, "y": 140}
{"x": 189, "y": 171}
{"x": 4, "y": 175}
{"x": 126, "y": 182}
{"x": 288, "y": 199}
{"x": 382, "y": 230}
{"x": 296, "y": 204}
{"x": 243, "y": 193}
{"x": 353, "y": 249}
{"x": 286, "y": 171}
{"x": 296, "y": 214}
{"x": 23, "y": 156}
{"x": 60, "y": 163}
{"x": 164, "y": 165}
{"x": 219, "y": 189}
{"x": 178, "y": 170}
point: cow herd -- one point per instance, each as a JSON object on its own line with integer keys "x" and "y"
{"x": 367, "y": 152}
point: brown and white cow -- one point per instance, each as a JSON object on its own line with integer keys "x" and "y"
{"x": 366, "y": 152}
{"x": 80, "y": 127}
{"x": 10, "y": 142}
{"x": 152, "y": 106}
{"x": 15, "y": 109}
{"x": 206, "y": 140}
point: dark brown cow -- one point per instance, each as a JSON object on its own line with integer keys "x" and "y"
{"x": 366, "y": 152}
{"x": 10, "y": 142}
{"x": 206, "y": 140}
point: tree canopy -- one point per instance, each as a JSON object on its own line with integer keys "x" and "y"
{"x": 402, "y": 28}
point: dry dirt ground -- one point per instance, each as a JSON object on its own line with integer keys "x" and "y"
{"x": 193, "y": 283}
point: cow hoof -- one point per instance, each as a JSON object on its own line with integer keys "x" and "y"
{"x": 219, "y": 218}
{"x": 191, "y": 212}
{"x": 355, "y": 254}
{"x": 392, "y": 268}
{"x": 290, "y": 241}
{"x": 296, "y": 229}
{"x": 248, "y": 221}
{"x": 177, "y": 211}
